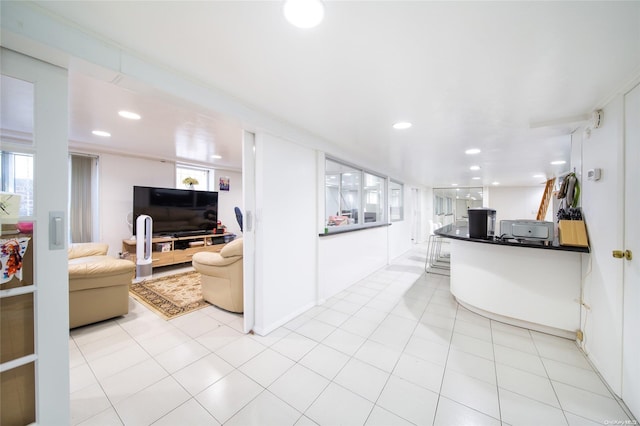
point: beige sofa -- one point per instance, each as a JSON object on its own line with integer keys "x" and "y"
{"x": 98, "y": 284}
{"x": 221, "y": 276}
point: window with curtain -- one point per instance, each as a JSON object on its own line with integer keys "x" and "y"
{"x": 82, "y": 197}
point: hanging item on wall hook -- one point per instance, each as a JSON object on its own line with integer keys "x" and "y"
{"x": 569, "y": 194}
{"x": 570, "y": 190}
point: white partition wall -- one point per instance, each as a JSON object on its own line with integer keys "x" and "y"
{"x": 343, "y": 259}
{"x": 285, "y": 233}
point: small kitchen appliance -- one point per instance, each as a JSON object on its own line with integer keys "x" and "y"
{"x": 527, "y": 230}
{"x": 482, "y": 223}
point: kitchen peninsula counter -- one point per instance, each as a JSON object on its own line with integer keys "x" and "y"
{"x": 462, "y": 233}
{"x": 527, "y": 284}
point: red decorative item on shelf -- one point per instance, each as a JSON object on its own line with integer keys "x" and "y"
{"x": 25, "y": 227}
{"x": 11, "y": 252}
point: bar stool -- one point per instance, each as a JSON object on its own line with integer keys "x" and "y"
{"x": 436, "y": 262}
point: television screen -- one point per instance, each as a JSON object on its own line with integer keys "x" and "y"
{"x": 176, "y": 211}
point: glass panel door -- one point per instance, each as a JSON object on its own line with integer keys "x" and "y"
{"x": 17, "y": 315}
{"x": 34, "y": 318}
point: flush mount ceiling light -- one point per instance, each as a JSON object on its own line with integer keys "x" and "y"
{"x": 303, "y": 13}
{"x": 495, "y": 183}
{"x": 402, "y": 125}
{"x": 558, "y": 162}
{"x": 472, "y": 151}
{"x": 216, "y": 157}
{"x": 101, "y": 133}
{"x": 476, "y": 178}
{"x": 454, "y": 184}
{"x": 474, "y": 168}
{"x": 128, "y": 114}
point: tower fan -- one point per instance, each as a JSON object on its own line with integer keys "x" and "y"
{"x": 144, "y": 233}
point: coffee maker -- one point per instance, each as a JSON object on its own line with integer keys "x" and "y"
{"x": 482, "y": 223}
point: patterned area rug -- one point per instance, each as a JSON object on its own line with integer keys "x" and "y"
{"x": 170, "y": 296}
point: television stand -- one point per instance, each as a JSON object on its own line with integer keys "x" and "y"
{"x": 174, "y": 250}
{"x": 190, "y": 233}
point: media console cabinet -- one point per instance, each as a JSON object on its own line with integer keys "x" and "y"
{"x": 174, "y": 250}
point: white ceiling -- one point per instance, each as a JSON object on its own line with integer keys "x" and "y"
{"x": 472, "y": 74}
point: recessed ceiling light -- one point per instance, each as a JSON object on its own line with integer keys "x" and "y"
{"x": 474, "y": 168}
{"x": 303, "y": 13}
{"x": 402, "y": 125}
{"x": 495, "y": 183}
{"x": 128, "y": 114}
{"x": 538, "y": 176}
{"x": 472, "y": 151}
{"x": 454, "y": 184}
{"x": 476, "y": 178}
{"x": 558, "y": 162}
{"x": 101, "y": 133}
{"x": 216, "y": 157}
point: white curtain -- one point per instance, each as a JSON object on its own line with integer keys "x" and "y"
{"x": 81, "y": 209}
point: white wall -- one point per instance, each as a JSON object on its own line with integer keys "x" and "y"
{"x": 602, "y": 207}
{"x": 228, "y": 200}
{"x": 399, "y": 233}
{"x": 512, "y": 203}
{"x": 117, "y": 176}
{"x": 344, "y": 259}
{"x": 285, "y": 231}
{"x": 296, "y": 268}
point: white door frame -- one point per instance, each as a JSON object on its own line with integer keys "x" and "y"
{"x": 248, "y": 226}
{"x": 631, "y": 268}
{"x": 51, "y": 283}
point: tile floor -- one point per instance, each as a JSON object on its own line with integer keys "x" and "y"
{"x": 393, "y": 349}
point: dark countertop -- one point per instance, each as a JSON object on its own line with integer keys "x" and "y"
{"x": 462, "y": 233}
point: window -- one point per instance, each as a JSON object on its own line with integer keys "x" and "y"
{"x": 454, "y": 202}
{"x": 396, "y": 201}
{"x": 16, "y": 176}
{"x": 353, "y": 196}
{"x": 200, "y": 175}
{"x": 374, "y": 193}
{"x": 439, "y": 205}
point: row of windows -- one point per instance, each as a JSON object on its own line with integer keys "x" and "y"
{"x": 355, "y": 197}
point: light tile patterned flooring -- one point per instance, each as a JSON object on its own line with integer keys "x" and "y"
{"x": 393, "y": 349}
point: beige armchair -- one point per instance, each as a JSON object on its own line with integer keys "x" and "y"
{"x": 221, "y": 276}
{"x": 98, "y": 284}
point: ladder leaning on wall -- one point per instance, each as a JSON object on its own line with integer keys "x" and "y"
{"x": 546, "y": 198}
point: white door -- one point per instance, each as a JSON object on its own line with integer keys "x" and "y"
{"x": 631, "y": 273}
{"x": 248, "y": 230}
{"x": 34, "y": 354}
